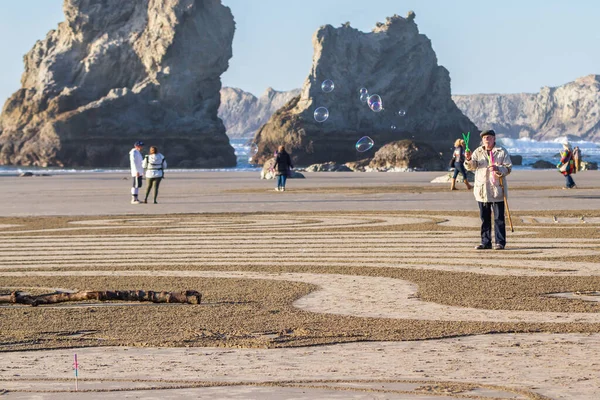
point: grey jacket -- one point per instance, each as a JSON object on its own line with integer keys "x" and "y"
{"x": 487, "y": 183}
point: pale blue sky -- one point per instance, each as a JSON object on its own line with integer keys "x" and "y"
{"x": 488, "y": 46}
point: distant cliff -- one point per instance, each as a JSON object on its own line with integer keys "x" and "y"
{"x": 572, "y": 109}
{"x": 243, "y": 113}
{"x": 119, "y": 71}
{"x": 394, "y": 61}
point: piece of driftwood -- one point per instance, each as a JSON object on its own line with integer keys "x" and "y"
{"x": 187, "y": 297}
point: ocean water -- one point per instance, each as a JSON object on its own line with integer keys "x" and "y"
{"x": 531, "y": 151}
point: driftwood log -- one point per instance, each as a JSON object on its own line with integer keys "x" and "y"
{"x": 187, "y": 297}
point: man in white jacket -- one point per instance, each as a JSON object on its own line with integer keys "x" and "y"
{"x": 137, "y": 171}
{"x": 491, "y": 164}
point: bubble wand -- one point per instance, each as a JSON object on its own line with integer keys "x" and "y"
{"x": 466, "y": 139}
{"x": 76, "y": 367}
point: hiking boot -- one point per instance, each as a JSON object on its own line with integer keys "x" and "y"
{"x": 483, "y": 247}
{"x": 498, "y": 247}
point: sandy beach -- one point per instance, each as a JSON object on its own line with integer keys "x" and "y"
{"x": 347, "y": 285}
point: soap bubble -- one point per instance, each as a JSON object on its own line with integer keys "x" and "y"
{"x": 365, "y": 143}
{"x": 253, "y": 149}
{"x": 327, "y": 85}
{"x": 321, "y": 114}
{"x": 402, "y": 113}
{"x": 393, "y": 127}
{"x": 375, "y": 103}
{"x": 364, "y": 97}
{"x": 364, "y": 91}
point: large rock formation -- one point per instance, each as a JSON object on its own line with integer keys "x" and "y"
{"x": 572, "y": 109}
{"x": 407, "y": 155}
{"x": 393, "y": 61}
{"x": 119, "y": 71}
{"x": 243, "y": 113}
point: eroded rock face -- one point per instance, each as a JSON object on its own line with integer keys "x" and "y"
{"x": 393, "y": 61}
{"x": 243, "y": 113}
{"x": 572, "y": 109}
{"x": 119, "y": 71}
{"x": 407, "y": 155}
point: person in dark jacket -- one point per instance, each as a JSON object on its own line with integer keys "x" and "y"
{"x": 458, "y": 158}
{"x": 282, "y": 167}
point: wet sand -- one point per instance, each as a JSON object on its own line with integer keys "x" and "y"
{"x": 347, "y": 285}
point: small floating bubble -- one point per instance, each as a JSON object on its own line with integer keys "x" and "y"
{"x": 321, "y": 114}
{"x": 365, "y": 143}
{"x": 327, "y": 86}
{"x": 253, "y": 149}
{"x": 375, "y": 103}
{"x": 402, "y": 113}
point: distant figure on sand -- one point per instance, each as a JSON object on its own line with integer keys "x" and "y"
{"x": 577, "y": 158}
{"x": 458, "y": 159}
{"x": 137, "y": 171}
{"x": 283, "y": 166}
{"x": 566, "y": 166}
{"x": 491, "y": 164}
{"x": 154, "y": 164}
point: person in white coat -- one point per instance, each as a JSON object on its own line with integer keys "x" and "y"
{"x": 491, "y": 164}
{"x": 154, "y": 164}
{"x": 137, "y": 171}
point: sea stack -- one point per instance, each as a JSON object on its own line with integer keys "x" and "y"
{"x": 119, "y": 71}
{"x": 394, "y": 61}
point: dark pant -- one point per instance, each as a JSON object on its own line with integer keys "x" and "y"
{"x": 153, "y": 182}
{"x": 485, "y": 213}
{"x": 459, "y": 167}
{"x": 569, "y": 182}
{"x": 281, "y": 180}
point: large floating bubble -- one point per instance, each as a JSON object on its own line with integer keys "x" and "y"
{"x": 321, "y": 114}
{"x": 327, "y": 86}
{"x": 253, "y": 149}
{"x": 375, "y": 103}
{"x": 365, "y": 143}
{"x": 402, "y": 113}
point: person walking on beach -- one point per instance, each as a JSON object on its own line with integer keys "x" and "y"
{"x": 491, "y": 165}
{"x": 577, "y": 158}
{"x": 137, "y": 171}
{"x": 283, "y": 166}
{"x": 566, "y": 166}
{"x": 458, "y": 159}
{"x": 154, "y": 164}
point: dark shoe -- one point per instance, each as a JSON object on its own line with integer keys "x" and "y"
{"x": 483, "y": 247}
{"x": 499, "y": 247}
{"x": 155, "y": 202}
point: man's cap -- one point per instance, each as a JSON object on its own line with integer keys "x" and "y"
{"x": 565, "y": 142}
{"x": 138, "y": 143}
{"x": 487, "y": 132}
